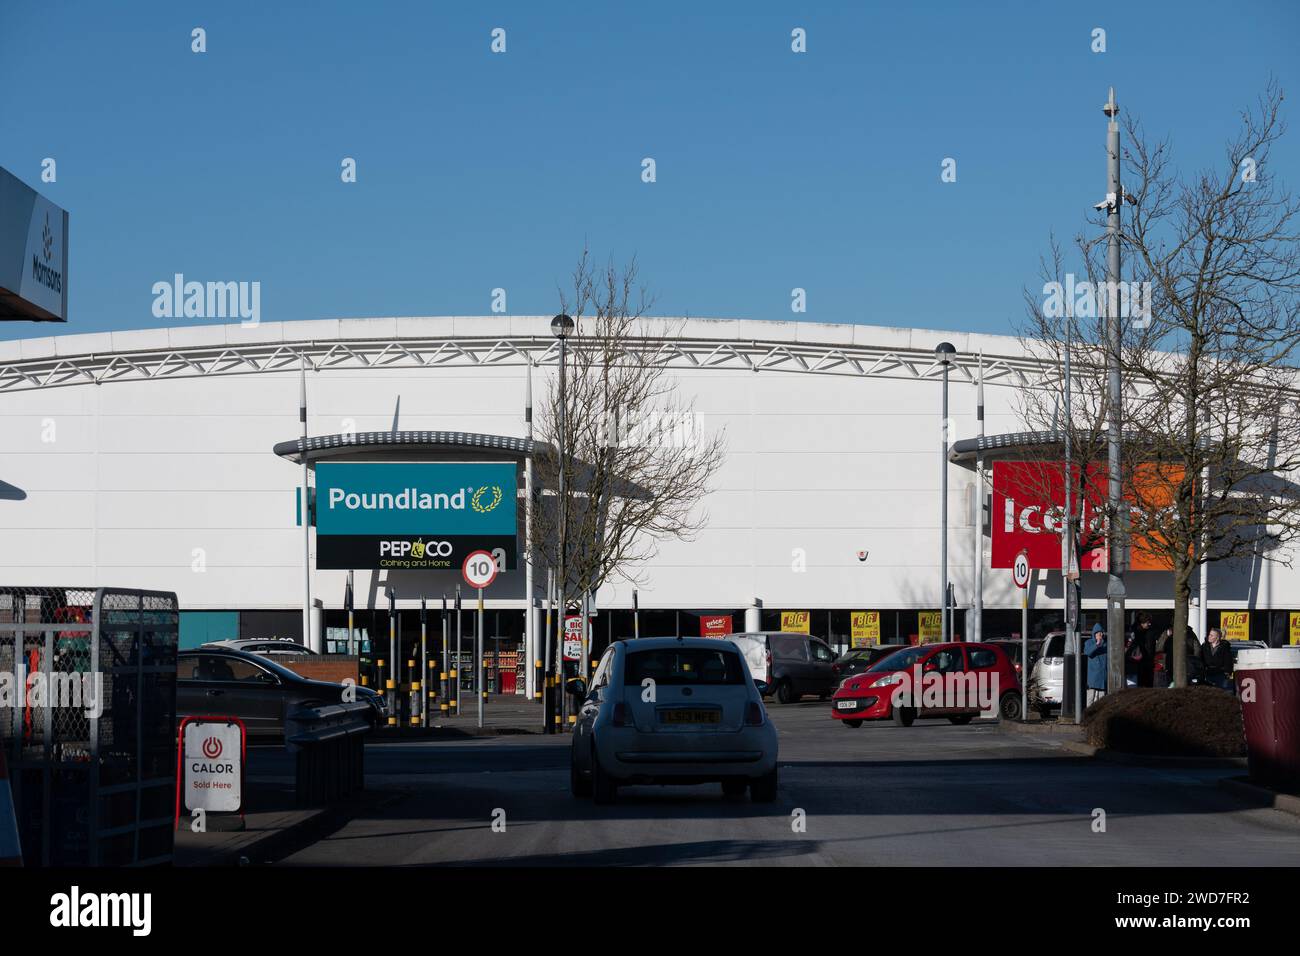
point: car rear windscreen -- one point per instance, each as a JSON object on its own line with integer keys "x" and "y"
{"x": 683, "y": 665}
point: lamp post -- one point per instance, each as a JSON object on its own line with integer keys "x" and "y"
{"x": 1117, "y": 557}
{"x": 943, "y": 353}
{"x": 561, "y": 328}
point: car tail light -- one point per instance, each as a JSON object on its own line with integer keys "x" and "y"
{"x": 620, "y": 715}
{"x": 754, "y": 714}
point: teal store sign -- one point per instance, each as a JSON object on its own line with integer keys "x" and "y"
{"x": 419, "y": 515}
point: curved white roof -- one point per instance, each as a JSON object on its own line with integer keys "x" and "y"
{"x": 208, "y": 335}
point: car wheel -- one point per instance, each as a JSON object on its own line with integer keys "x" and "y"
{"x": 579, "y": 784}
{"x": 961, "y": 721}
{"x": 603, "y": 787}
{"x": 903, "y": 716}
{"x": 1009, "y": 706}
{"x": 734, "y": 787}
{"x": 763, "y": 789}
{"x": 785, "y": 693}
{"x": 851, "y": 723}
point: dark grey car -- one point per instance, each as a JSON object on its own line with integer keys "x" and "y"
{"x": 223, "y": 682}
{"x": 796, "y": 665}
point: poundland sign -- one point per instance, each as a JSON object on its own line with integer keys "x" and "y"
{"x": 414, "y": 515}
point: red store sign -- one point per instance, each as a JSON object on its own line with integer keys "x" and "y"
{"x": 1028, "y": 514}
{"x": 717, "y": 625}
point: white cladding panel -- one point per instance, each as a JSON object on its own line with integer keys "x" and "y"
{"x": 172, "y": 484}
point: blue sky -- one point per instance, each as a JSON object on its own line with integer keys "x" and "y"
{"x": 775, "y": 170}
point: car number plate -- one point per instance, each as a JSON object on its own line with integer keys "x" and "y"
{"x": 689, "y": 717}
{"x": 846, "y": 704}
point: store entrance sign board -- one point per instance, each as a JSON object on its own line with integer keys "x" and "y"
{"x": 415, "y": 515}
{"x": 33, "y": 254}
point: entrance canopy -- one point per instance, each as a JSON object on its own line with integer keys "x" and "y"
{"x": 470, "y": 445}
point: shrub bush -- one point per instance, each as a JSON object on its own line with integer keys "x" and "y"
{"x": 1176, "y": 721}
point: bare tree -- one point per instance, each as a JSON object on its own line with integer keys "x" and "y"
{"x": 1071, "y": 420}
{"x": 1211, "y": 434}
{"x": 637, "y": 463}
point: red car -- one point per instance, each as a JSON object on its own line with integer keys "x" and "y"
{"x": 959, "y": 681}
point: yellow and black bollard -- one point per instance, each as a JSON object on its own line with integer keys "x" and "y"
{"x": 390, "y": 687}
{"x": 414, "y": 698}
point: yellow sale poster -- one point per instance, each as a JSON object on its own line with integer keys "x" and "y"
{"x": 795, "y": 622}
{"x": 864, "y": 628}
{"x": 1235, "y": 625}
{"x": 930, "y": 626}
{"x": 1295, "y": 627}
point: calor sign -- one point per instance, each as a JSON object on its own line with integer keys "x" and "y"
{"x": 212, "y": 764}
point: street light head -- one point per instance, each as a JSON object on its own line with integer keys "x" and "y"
{"x": 944, "y": 352}
{"x": 561, "y": 326}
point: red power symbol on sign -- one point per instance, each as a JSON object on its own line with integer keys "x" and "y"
{"x": 212, "y": 748}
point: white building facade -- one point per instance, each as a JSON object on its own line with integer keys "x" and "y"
{"x": 144, "y": 459}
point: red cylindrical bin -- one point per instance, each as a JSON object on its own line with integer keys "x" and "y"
{"x": 1268, "y": 685}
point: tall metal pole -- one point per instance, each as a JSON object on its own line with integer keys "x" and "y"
{"x": 585, "y": 653}
{"x": 455, "y": 669}
{"x": 1115, "y": 590}
{"x": 976, "y": 627}
{"x": 478, "y": 660}
{"x": 562, "y": 580}
{"x": 308, "y": 637}
{"x": 423, "y": 689}
{"x": 443, "y": 688}
{"x": 1069, "y": 574}
{"x": 392, "y": 658}
{"x": 1024, "y": 652}
{"x": 1203, "y": 611}
{"x": 636, "y": 616}
{"x": 532, "y": 655}
{"x": 548, "y": 697}
{"x": 348, "y": 603}
{"x": 945, "y": 628}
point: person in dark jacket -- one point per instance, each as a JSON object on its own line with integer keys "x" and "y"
{"x": 1162, "y": 648}
{"x": 1133, "y": 661}
{"x": 1165, "y": 646}
{"x": 1095, "y": 650}
{"x": 1140, "y": 653}
{"x": 1216, "y": 660}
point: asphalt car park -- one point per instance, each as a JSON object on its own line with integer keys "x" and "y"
{"x": 933, "y": 793}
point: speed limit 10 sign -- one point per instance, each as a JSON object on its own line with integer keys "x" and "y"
{"x": 480, "y": 569}
{"x": 1020, "y": 570}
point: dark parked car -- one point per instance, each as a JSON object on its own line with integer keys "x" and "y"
{"x": 789, "y": 665}
{"x": 223, "y": 682}
{"x": 267, "y": 648}
{"x": 860, "y": 658}
{"x": 1011, "y": 647}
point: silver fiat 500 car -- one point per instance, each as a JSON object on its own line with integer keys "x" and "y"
{"x": 668, "y": 710}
